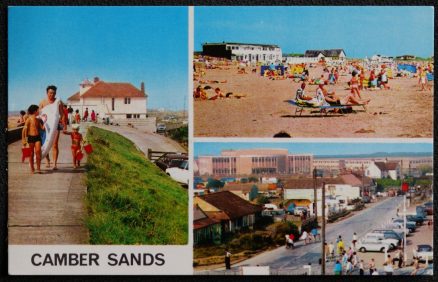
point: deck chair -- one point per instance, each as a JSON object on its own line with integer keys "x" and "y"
{"x": 322, "y": 109}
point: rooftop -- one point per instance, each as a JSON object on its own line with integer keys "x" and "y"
{"x": 237, "y": 43}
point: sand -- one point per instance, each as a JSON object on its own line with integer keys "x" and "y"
{"x": 402, "y": 112}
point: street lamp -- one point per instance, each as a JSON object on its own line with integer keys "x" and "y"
{"x": 323, "y": 230}
{"x": 314, "y": 194}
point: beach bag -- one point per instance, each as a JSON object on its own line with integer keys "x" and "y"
{"x": 26, "y": 152}
{"x": 79, "y": 155}
{"x": 88, "y": 149}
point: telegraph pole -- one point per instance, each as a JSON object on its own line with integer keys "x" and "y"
{"x": 314, "y": 195}
{"x": 323, "y": 230}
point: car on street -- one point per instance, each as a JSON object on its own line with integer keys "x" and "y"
{"x": 397, "y": 227}
{"x": 428, "y": 270}
{"x": 161, "y": 128}
{"x": 180, "y": 174}
{"x": 299, "y": 210}
{"x": 429, "y": 208}
{"x": 377, "y": 236}
{"x": 371, "y": 245}
{"x": 413, "y": 217}
{"x": 424, "y": 252}
{"x": 389, "y": 233}
{"x": 421, "y": 210}
{"x": 170, "y": 160}
{"x": 409, "y": 224}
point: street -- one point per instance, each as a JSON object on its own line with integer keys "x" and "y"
{"x": 291, "y": 261}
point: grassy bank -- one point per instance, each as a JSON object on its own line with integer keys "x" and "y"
{"x": 129, "y": 199}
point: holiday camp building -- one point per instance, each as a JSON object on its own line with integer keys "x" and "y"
{"x": 116, "y": 100}
{"x": 255, "y": 162}
{"x": 265, "y": 53}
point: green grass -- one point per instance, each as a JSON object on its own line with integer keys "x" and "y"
{"x": 129, "y": 199}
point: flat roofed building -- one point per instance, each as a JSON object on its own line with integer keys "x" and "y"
{"x": 243, "y": 51}
{"x": 267, "y": 162}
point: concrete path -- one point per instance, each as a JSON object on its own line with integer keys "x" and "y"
{"x": 145, "y": 140}
{"x": 46, "y": 208}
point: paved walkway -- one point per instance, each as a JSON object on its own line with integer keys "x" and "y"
{"x": 46, "y": 208}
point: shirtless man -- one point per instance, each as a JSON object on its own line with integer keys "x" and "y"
{"x": 51, "y": 97}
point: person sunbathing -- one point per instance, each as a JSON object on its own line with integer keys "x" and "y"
{"x": 199, "y": 93}
{"x": 300, "y": 95}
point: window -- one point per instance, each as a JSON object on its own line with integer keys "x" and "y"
{"x": 112, "y": 104}
{"x": 127, "y": 100}
{"x": 128, "y": 116}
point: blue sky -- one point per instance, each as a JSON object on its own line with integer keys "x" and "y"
{"x": 65, "y": 45}
{"x": 360, "y": 31}
{"x": 214, "y": 148}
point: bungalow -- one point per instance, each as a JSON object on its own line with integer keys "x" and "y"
{"x": 233, "y": 212}
{"x": 383, "y": 170}
{"x": 205, "y": 229}
{"x": 115, "y": 100}
{"x": 333, "y": 54}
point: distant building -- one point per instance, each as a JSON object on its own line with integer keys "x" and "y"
{"x": 117, "y": 100}
{"x": 383, "y": 170}
{"x": 266, "y": 162}
{"x": 233, "y": 212}
{"x": 243, "y": 51}
{"x": 406, "y": 57}
{"x": 332, "y": 54}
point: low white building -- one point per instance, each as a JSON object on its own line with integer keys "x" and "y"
{"x": 327, "y": 55}
{"x": 383, "y": 170}
{"x": 116, "y": 100}
{"x": 265, "y": 53}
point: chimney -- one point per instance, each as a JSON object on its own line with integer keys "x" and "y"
{"x": 142, "y": 87}
{"x": 96, "y": 79}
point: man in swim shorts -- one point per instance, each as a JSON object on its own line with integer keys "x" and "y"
{"x": 51, "y": 97}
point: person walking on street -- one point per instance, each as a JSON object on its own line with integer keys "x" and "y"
{"x": 337, "y": 268}
{"x": 227, "y": 259}
{"x": 372, "y": 266}
{"x": 340, "y": 246}
{"x": 354, "y": 240}
{"x": 361, "y": 268}
{"x": 415, "y": 266}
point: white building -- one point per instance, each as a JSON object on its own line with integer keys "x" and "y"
{"x": 265, "y": 53}
{"x": 118, "y": 101}
{"x": 327, "y": 55}
{"x": 383, "y": 170}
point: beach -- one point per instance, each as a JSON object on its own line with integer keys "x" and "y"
{"x": 401, "y": 112}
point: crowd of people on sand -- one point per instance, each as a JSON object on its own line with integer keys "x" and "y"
{"x": 33, "y": 131}
{"x": 363, "y": 76}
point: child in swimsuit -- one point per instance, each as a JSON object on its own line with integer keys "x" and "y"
{"x": 354, "y": 85}
{"x": 76, "y": 142}
{"x": 31, "y": 136}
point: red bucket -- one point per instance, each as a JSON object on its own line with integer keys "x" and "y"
{"x": 26, "y": 152}
{"x": 88, "y": 149}
{"x": 79, "y": 155}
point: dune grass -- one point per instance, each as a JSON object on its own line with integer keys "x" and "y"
{"x": 129, "y": 199}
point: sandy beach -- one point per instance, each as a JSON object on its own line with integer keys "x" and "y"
{"x": 401, "y": 112}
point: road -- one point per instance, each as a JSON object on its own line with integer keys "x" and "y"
{"x": 293, "y": 260}
{"x": 145, "y": 140}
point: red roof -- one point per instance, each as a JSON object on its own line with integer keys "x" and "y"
{"x": 74, "y": 97}
{"x": 386, "y": 166}
{"x": 110, "y": 89}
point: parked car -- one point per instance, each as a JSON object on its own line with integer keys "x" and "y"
{"x": 424, "y": 252}
{"x": 161, "y": 128}
{"x": 421, "y": 211}
{"x": 299, "y": 210}
{"x": 388, "y": 233}
{"x": 397, "y": 227}
{"x": 429, "y": 208}
{"x": 413, "y": 217}
{"x": 411, "y": 225}
{"x": 370, "y": 245}
{"x": 171, "y": 160}
{"x": 180, "y": 174}
{"x": 377, "y": 236}
{"x": 366, "y": 199}
{"x": 428, "y": 270}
